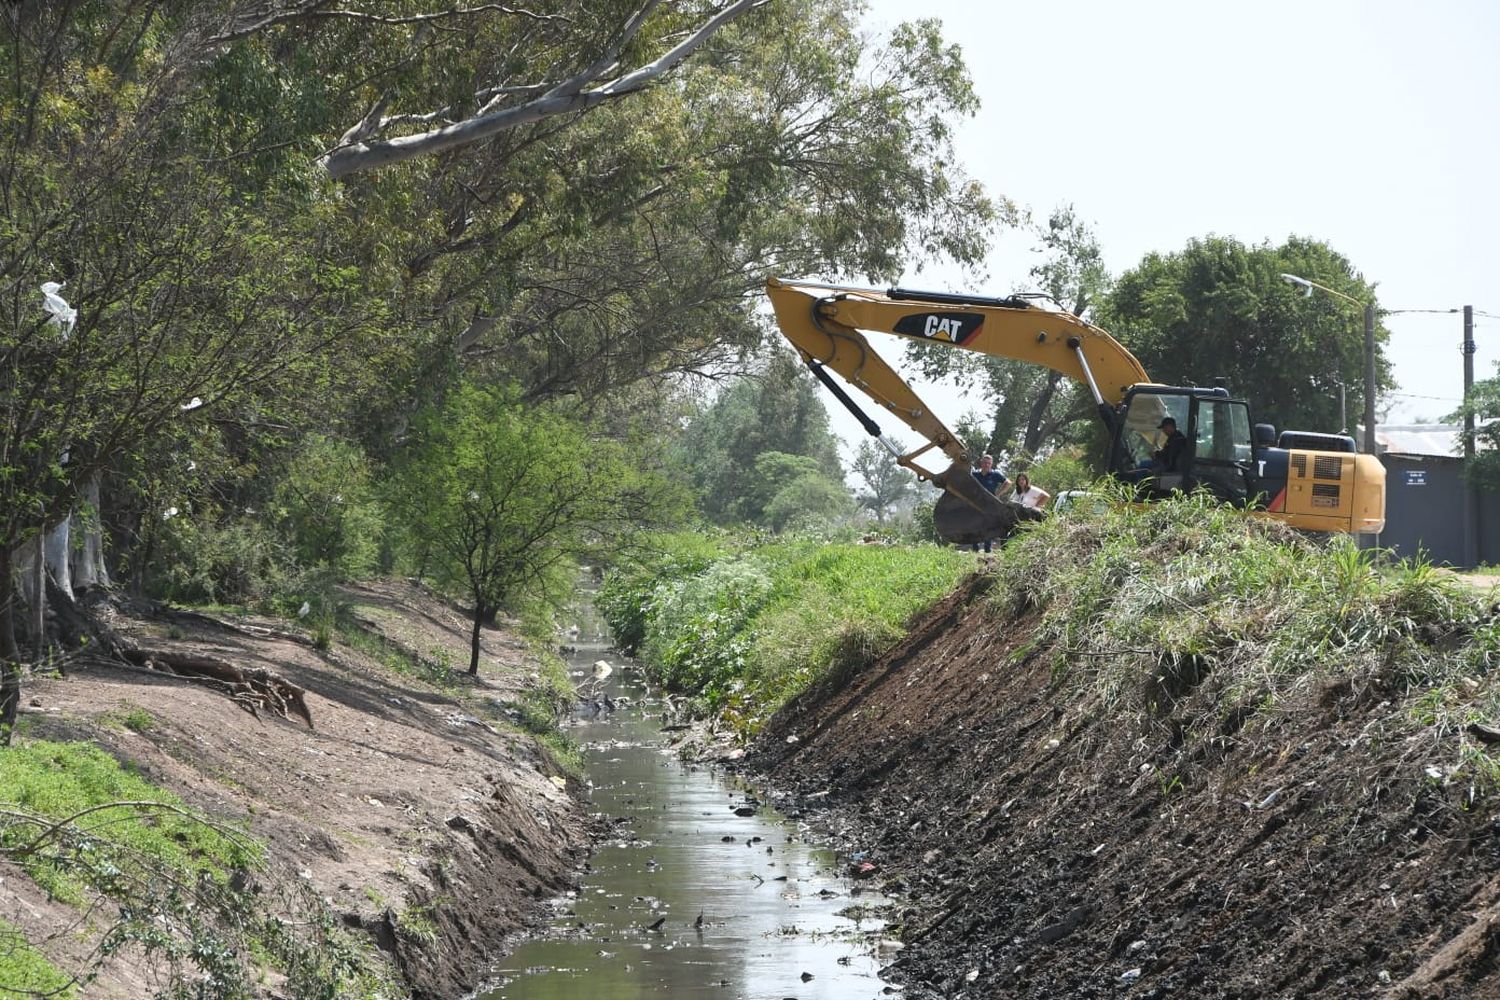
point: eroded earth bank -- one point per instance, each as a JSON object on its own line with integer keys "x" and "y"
{"x": 1189, "y": 835}
{"x": 416, "y": 814}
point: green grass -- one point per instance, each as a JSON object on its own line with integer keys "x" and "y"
{"x": 54, "y": 781}
{"x": 131, "y": 717}
{"x": 158, "y": 880}
{"x": 1139, "y": 605}
{"x": 436, "y": 668}
{"x": 748, "y": 627}
{"x": 26, "y": 973}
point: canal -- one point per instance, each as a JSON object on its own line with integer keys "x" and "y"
{"x": 700, "y": 890}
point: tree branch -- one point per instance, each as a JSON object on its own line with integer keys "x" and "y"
{"x": 353, "y": 154}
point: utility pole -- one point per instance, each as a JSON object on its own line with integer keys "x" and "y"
{"x": 1471, "y": 495}
{"x": 1370, "y": 378}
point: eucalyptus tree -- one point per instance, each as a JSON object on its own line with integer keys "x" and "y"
{"x": 882, "y": 484}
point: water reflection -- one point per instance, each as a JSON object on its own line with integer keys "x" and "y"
{"x": 700, "y": 890}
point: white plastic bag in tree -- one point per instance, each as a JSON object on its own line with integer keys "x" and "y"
{"x": 60, "y": 314}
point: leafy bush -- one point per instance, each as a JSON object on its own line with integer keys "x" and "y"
{"x": 327, "y": 509}
{"x": 624, "y": 598}
{"x": 697, "y": 639}
{"x": 752, "y": 629}
{"x": 1065, "y": 469}
{"x": 233, "y": 562}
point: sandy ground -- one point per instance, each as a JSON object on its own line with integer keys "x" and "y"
{"x": 400, "y": 794}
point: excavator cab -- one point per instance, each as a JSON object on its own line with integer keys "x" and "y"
{"x": 1218, "y": 454}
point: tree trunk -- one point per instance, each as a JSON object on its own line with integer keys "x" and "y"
{"x": 10, "y": 653}
{"x": 89, "y": 570}
{"x": 1033, "y": 438}
{"x": 39, "y": 601}
{"x": 59, "y": 548}
{"x": 474, "y": 643}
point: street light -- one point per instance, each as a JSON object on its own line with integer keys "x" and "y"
{"x": 1369, "y": 308}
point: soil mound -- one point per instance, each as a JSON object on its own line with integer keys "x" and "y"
{"x": 1048, "y": 845}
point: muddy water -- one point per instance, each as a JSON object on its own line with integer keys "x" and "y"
{"x": 688, "y": 897}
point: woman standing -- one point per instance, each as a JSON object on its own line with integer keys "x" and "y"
{"x": 1030, "y": 496}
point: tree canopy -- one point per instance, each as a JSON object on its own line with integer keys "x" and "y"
{"x": 169, "y": 165}
{"x": 766, "y": 432}
{"x": 1220, "y": 308}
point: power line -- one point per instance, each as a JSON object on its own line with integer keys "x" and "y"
{"x": 1413, "y": 395}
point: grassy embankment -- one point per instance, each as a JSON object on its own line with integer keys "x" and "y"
{"x": 147, "y": 875}
{"x": 1140, "y": 605}
{"x": 1132, "y": 606}
{"x": 744, "y": 627}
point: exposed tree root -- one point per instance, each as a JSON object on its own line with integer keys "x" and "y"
{"x": 252, "y": 690}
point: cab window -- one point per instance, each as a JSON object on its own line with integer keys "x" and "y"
{"x": 1223, "y": 431}
{"x": 1142, "y": 435}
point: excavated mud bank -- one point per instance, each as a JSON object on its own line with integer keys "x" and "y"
{"x": 1043, "y": 846}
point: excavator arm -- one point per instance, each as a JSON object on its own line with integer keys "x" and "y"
{"x": 824, "y": 323}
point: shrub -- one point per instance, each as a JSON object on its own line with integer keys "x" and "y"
{"x": 752, "y": 629}
{"x": 327, "y": 510}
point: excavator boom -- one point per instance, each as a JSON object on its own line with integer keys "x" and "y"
{"x": 825, "y": 322}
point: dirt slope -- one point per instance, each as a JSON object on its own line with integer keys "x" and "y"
{"x": 402, "y": 798}
{"x": 1046, "y": 849}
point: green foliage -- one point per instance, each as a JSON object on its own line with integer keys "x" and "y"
{"x": 1142, "y": 604}
{"x": 495, "y": 495}
{"x": 752, "y": 629}
{"x": 58, "y": 780}
{"x": 884, "y": 484}
{"x": 762, "y": 434}
{"x": 1483, "y": 405}
{"x": 162, "y": 882}
{"x": 240, "y": 561}
{"x": 808, "y": 502}
{"x": 327, "y": 508}
{"x": 1220, "y": 308}
{"x": 624, "y": 598}
{"x": 1029, "y": 407}
{"x": 1064, "y": 469}
{"x": 25, "y": 972}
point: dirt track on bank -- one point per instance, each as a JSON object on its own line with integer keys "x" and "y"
{"x": 402, "y": 797}
{"x": 1044, "y": 848}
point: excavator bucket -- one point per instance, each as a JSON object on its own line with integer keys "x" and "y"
{"x": 967, "y": 513}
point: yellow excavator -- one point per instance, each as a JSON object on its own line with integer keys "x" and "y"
{"x": 1312, "y": 481}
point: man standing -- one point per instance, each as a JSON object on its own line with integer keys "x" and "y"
{"x": 991, "y": 479}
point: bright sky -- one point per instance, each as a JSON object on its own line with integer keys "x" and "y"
{"x": 1371, "y": 124}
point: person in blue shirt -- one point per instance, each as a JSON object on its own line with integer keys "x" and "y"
{"x": 991, "y": 479}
